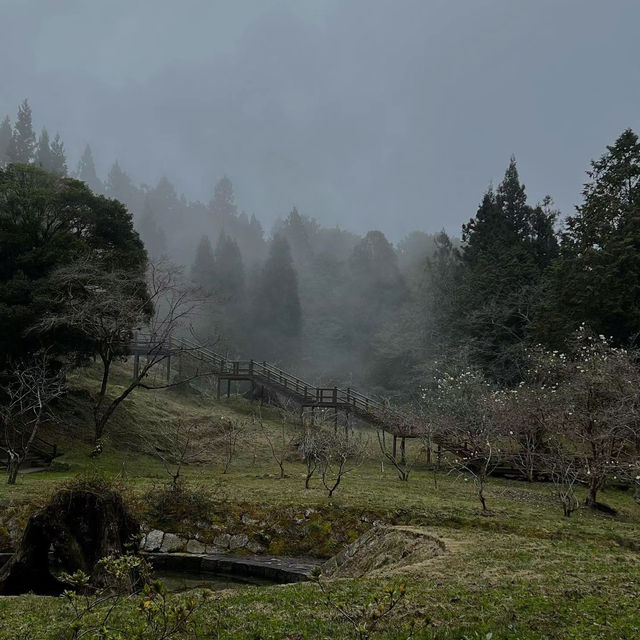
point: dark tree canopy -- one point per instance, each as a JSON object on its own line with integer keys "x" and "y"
{"x": 506, "y": 250}
{"x": 597, "y": 278}
{"x": 5, "y": 140}
{"x": 46, "y": 222}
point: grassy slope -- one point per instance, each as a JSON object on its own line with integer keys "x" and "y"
{"x": 522, "y": 572}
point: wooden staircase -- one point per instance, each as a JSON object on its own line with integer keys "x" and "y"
{"x": 302, "y": 393}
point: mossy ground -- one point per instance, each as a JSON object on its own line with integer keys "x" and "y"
{"x": 521, "y": 572}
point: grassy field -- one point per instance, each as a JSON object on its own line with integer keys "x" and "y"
{"x": 521, "y": 571}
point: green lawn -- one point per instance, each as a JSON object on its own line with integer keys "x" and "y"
{"x": 523, "y": 571}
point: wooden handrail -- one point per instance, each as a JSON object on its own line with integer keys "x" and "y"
{"x": 252, "y": 370}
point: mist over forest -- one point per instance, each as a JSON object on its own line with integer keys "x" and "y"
{"x": 341, "y": 296}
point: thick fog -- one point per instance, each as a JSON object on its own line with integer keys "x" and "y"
{"x": 390, "y": 115}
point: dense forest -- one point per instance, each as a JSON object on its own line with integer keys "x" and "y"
{"x": 348, "y": 309}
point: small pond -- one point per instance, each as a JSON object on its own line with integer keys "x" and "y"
{"x": 178, "y": 581}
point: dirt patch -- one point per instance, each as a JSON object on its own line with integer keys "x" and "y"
{"x": 383, "y": 549}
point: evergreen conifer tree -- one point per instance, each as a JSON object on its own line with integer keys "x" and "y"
{"x": 5, "y": 140}
{"x": 597, "y": 277}
{"x": 507, "y": 247}
{"x": 203, "y": 269}
{"x": 43, "y": 156}
{"x": 87, "y": 171}
{"x": 120, "y": 186}
{"x": 229, "y": 270}
{"x": 58, "y": 157}
{"x": 223, "y": 203}
{"x": 23, "y": 141}
{"x": 277, "y": 316}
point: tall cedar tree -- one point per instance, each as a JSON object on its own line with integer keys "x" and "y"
{"x": 298, "y": 230}
{"x": 229, "y": 270}
{"x": 150, "y": 231}
{"x": 377, "y": 293}
{"x": 223, "y": 204}
{"x": 277, "y": 315}
{"x": 597, "y": 277}
{"x": 203, "y": 269}
{"x": 5, "y": 140}
{"x": 23, "y": 141}
{"x": 43, "y": 152}
{"x": 47, "y": 222}
{"x": 120, "y": 186}
{"x": 87, "y": 171}
{"x": 58, "y": 157}
{"x": 507, "y": 247}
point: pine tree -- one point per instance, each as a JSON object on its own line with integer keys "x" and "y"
{"x": 597, "y": 277}
{"x": 23, "y": 140}
{"x": 120, "y": 186}
{"x": 43, "y": 151}
{"x": 203, "y": 269}
{"x": 298, "y": 230}
{"x": 228, "y": 270}
{"x": 58, "y": 157}
{"x": 507, "y": 247}
{"x": 87, "y": 171}
{"x": 151, "y": 233}
{"x": 164, "y": 202}
{"x": 223, "y": 203}
{"x": 277, "y": 315}
{"x": 5, "y": 140}
{"x": 377, "y": 291}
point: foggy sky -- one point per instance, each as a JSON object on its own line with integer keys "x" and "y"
{"x": 387, "y": 114}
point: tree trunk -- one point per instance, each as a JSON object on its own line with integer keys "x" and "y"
{"x": 14, "y": 466}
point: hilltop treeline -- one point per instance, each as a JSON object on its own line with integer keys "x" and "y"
{"x": 352, "y": 309}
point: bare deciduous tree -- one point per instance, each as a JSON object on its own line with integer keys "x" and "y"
{"x": 279, "y": 443}
{"x": 565, "y": 472}
{"x": 24, "y": 404}
{"x": 231, "y": 432}
{"x": 337, "y": 454}
{"x": 174, "y": 444}
{"x": 403, "y": 426}
{"x": 106, "y": 307}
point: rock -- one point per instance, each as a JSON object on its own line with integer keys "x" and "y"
{"x": 212, "y": 548}
{"x": 223, "y": 540}
{"x": 247, "y": 520}
{"x": 255, "y": 547}
{"x": 238, "y": 541}
{"x": 171, "y": 542}
{"x": 193, "y": 546}
{"x": 153, "y": 540}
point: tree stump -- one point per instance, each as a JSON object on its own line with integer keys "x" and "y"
{"x": 80, "y": 525}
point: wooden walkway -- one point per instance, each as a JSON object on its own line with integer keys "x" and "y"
{"x": 266, "y": 376}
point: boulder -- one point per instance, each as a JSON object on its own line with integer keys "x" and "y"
{"x": 153, "y": 540}
{"x": 171, "y": 542}
{"x": 223, "y": 540}
{"x": 194, "y": 546}
{"x": 239, "y": 541}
